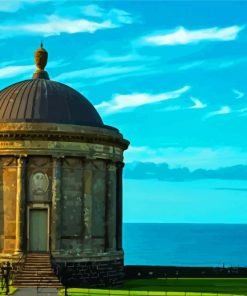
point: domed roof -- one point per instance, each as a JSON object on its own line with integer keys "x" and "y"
{"x": 43, "y": 100}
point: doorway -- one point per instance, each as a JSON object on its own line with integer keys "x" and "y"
{"x": 38, "y": 230}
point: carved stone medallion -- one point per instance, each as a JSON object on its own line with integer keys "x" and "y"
{"x": 39, "y": 183}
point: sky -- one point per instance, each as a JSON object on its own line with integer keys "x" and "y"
{"x": 170, "y": 75}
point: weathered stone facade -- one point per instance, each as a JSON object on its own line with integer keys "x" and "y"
{"x": 93, "y": 274}
{"x": 75, "y": 174}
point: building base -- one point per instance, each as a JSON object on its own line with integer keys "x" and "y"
{"x": 91, "y": 274}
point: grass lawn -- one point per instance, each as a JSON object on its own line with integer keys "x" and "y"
{"x": 12, "y": 290}
{"x": 172, "y": 287}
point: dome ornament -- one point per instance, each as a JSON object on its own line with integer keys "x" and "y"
{"x": 40, "y": 57}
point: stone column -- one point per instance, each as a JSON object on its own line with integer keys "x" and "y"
{"x": 56, "y": 222}
{"x": 20, "y": 205}
{"x": 110, "y": 207}
{"x": 106, "y": 216}
{"x": 119, "y": 205}
{"x": 87, "y": 205}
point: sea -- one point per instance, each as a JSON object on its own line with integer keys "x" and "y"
{"x": 185, "y": 244}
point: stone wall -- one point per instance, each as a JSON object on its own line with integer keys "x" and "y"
{"x": 84, "y": 213}
{"x": 91, "y": 274}
{"x": 71, "y": 204}
{"x": 88, "y": 206}
{"x": 98, "y": 205}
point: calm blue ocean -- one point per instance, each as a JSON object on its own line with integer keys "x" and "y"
{"x": 185, "y": 244}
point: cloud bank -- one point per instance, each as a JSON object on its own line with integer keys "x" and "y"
{"x": 193, "y": 157}
{"x": 163, "y": 172}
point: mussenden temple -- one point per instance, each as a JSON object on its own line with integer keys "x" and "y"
{"x": 60, "y": 185}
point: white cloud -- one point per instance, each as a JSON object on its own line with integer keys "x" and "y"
{"x": 11, "y": 71}
{"x": 120, "y": 16}
{"x": 222, "y": 111}
{"x": 183, "y": 36}
{"x": 15, "y": 5}
{"x": 93, "y": 10}
{"x": 171, "y": 108}
{"x": 238, "y": 94}
{"x": 55, "y": 25}
{"x": 211, "y": 63}
{"x": 10, "y": 6}
{"x": 242, "y": 111}
{"x": 96, "y": 72}
{"x": 120, "y": 102}
{"x": 197, "y": 104}
{"x": 191, "y": 65}
{"x": 116, "y": 15}
{"x": 191, "y": 157}
{"x": 102, "y": 56}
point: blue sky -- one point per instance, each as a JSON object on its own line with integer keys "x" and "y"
{"x": 171, "y": 75}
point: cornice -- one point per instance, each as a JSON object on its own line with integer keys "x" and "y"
{"x": 61, "y": 132}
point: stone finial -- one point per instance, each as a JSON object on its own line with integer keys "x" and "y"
{"x": 40, "y": 57}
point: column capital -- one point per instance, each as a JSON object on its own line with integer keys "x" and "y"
{"x": 21, "y": 159}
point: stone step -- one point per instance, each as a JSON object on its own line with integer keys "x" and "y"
{"x": 37, "y": 264}
{"x": 39, "y": 287}
{"x": 53, "y": 285}
{"x": 28, "y": 276}
{"x": 34, "y": 271}
{"x": 32, "y": 275}
{"x": 36, "y": 267}
{"x": 38, "y": 259}
{"x": 35, "y": 279}
{"x": 25, "y": 281}
{"x": 38, "y": 256}
{"x": 37, "y": 272}
{"x": 36, "y": 283}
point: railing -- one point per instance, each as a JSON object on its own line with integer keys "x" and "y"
{"x": 6, "y": 277}
{"x": 17, "y": 267}
{"x": 61, "y": 273}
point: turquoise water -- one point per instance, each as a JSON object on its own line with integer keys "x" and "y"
{"x": 200, "y": 201}
{"x": 185, "y": 244}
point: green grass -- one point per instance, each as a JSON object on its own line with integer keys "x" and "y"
{"x": 12, "y": 290}
{"x": 174, "y": 287}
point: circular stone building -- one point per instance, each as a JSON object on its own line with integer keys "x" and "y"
{"x": 60, "y": 180}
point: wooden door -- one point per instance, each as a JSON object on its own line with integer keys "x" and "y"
{"x": 38, "y": 230}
